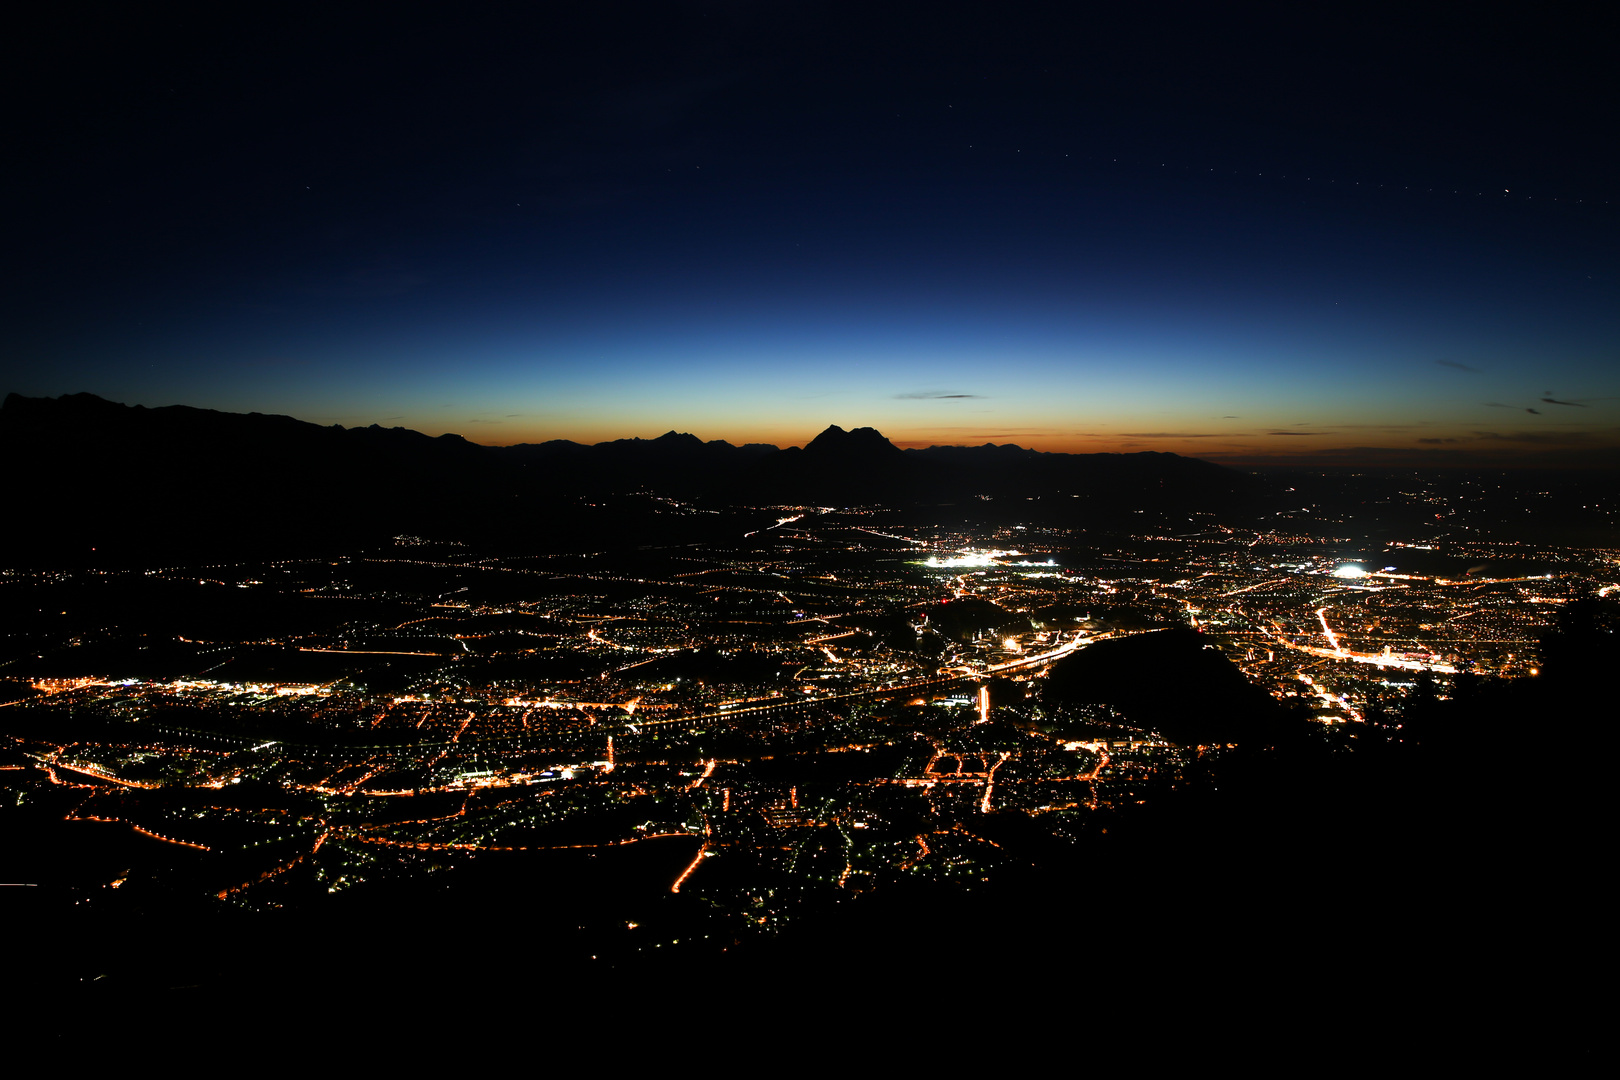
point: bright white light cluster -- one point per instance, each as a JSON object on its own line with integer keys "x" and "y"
{"x": 1349, "y": 570}
{"x": 968, "y": 558}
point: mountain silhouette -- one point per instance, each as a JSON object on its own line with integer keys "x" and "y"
{"x": 863, "y": 445}
{"x": 112, "y": 477}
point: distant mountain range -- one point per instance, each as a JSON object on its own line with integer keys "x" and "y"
{"x": 90, "y": 473}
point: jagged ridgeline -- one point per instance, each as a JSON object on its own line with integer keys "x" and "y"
{"x": 132, "y": 482}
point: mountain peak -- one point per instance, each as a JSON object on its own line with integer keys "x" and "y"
{"x": 672, "y": 438}
{"x": 860, "y": 442}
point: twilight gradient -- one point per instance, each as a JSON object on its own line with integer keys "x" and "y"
{"x": 751, "y": 256}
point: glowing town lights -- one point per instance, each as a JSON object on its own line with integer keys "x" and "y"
{"x": 968, "y": 557}
{"x": 464, "y": 762}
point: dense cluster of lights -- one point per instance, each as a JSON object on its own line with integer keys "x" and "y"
{"x": 968, "y": 559}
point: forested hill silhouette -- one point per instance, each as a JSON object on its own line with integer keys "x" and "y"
{"x": 180, "y": 478}
{"x": 1170, "y": 681}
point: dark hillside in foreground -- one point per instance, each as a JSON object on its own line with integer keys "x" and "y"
{"x": 96, "y": 481}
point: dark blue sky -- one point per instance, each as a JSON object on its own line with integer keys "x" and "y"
{"x": 1358, "y": 237}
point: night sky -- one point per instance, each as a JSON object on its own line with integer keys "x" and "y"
{"x": 1348, "y": 237}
